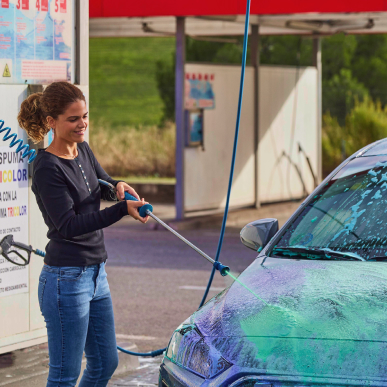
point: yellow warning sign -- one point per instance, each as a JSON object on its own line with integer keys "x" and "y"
{"x": 6, "y": 72}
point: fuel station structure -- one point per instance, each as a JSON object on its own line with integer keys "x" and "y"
{"x": 279, "y": 151}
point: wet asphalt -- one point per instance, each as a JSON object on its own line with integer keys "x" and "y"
{"x": 157, "y": 281}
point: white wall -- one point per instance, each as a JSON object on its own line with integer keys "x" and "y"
{"x": 288, "y": 115}
{"x": 206, "y": 172}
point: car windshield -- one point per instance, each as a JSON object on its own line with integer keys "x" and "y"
{"x": 349, "y": 215}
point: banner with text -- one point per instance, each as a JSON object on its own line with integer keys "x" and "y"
{"x": 13, "y": 217}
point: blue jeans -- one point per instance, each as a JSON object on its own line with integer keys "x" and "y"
{"x": 78, "y": 311}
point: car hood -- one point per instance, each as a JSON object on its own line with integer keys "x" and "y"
{"x": 321, "y": 317}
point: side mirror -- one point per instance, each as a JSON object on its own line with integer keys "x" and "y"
{"x": 256, "y": 235}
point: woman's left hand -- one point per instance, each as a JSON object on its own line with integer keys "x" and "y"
{"x": 122, "y": 187}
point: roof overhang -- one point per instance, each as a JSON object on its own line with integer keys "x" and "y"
{"x": 309, "y": 24}
{"x": 125, "y": 8}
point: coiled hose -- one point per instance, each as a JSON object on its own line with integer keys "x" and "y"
{"x": 20, "y": 145}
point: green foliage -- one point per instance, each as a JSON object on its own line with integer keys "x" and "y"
{"x": 340, "y": 92}
{"x": 369, "y": 65}
{"x": 165, "y": 79}
{"x": 229, "y": 53}
{"x": 337, "y": 53}
{"x": 123, "y": 89}
{"x": 286, "y": 50}
{"x": 332, "y": 137}
{"x": 366, "y": 123}
{"x": 132, "y": 79}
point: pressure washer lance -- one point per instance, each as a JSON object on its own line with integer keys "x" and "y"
{"x": 12, "y": 251}
{"x": 147, "y": 209}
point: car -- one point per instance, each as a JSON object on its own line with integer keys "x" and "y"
{"x": 311, "y": 310}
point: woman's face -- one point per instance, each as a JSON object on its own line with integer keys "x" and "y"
{"x": 71, "y": 125}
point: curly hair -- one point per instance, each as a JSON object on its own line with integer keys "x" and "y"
{"x": 54, "y": 101}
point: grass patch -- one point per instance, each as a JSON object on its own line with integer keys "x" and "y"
{"x": 128, "y": 151}
{"x": 123, "y": 89}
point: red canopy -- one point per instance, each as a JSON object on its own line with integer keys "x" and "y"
{"x": 146, "y": 8}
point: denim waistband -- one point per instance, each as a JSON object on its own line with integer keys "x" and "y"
{"x": 57, "y": 269}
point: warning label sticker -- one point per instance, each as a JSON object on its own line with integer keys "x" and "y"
{"x": 47, "y": 70}
{"x": 6, "y": 72}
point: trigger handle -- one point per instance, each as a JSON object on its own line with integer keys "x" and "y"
{"x": 143, "y": 209}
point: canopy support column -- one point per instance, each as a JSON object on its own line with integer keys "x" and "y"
{"x": 318, "y": 64}
{"x": 255, "y": 61}
{"x": 179, "y": 116}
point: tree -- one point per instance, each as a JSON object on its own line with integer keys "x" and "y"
{"x": 369, "y": 65}
{"x": 165, "y": 79}
{"x": 340, "y": 93}
{"x": 337, "y": 53}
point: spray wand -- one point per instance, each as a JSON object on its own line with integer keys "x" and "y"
{"x": 147, "y": 209}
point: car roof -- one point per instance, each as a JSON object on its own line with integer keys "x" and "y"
{"x": 375, "y": 149}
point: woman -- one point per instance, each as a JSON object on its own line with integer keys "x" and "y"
{"x": 74, "y": 295}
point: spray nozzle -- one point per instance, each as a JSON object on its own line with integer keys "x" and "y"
{"x": 15, "y": 252}
{"x": 224, "y": 270}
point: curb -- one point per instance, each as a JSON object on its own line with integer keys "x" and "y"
{"x": 237, "y": 218}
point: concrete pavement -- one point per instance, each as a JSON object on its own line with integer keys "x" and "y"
{"x": 147, "y": 374}
{"x": 29, "y": 366}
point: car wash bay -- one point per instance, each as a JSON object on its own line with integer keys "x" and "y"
{"x": 279, "y": 153}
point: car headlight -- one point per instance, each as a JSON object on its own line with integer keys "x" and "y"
{"x": 189, "y": 349}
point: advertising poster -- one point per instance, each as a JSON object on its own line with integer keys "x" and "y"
{"x": 36, "y": 41}
{"x": 13, "y": 217}
{"x": 199, "y": 93}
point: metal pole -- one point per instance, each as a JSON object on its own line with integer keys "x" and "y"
{"x": 179, "y": 116}
{"x": 255, "y": 56}
{"x": 318, "y": 64}
{"x": 82, "y": 43}
{"x": 203, "y": 254}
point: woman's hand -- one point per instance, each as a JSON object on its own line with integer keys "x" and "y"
{"x": 122, "y": 187}
{"x": 133, "y": 210}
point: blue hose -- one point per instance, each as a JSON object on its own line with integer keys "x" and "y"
{"x": 20, "y": 145}
{"x": 158, "y": 352}
{"x": 40, "y": 253}
{"x": 223, "y": 229}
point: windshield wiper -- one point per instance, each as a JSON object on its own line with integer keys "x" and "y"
{"x": 309, "y": 253}
{"x": 377, "y": 258}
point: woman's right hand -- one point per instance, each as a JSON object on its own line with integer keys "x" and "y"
{"x": 133, "y": 206}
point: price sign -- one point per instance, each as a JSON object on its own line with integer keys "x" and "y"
{"x": 36, "y": 41}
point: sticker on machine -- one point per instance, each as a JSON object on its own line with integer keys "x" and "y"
{"x": 13, "y": 218}
{"x": 47, "y": 70}
{"x": 6, "y": 71}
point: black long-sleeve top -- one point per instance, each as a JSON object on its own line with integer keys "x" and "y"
{"x": 68, "y": 195}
